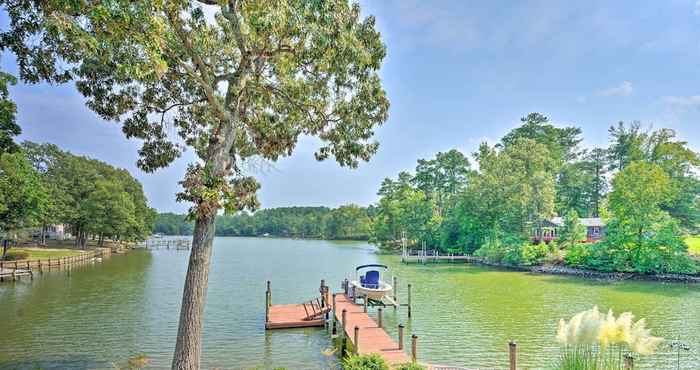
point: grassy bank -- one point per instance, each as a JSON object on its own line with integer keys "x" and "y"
{"x": 693, "y": 244}
{"x": 40, "y": 253}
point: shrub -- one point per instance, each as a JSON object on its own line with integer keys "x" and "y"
{"x": 534, "y": 254}
{"x": 595, "y": 341}
{"x": 577, "y": 255}
{"x": 365, "y": 362}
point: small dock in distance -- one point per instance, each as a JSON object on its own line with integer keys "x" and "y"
{"x": 14, "y": 274}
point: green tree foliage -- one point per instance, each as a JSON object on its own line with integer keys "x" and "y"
{"x": 90, "y": 196}
{"x": 627, "y": 144}
{"x": 538, "y": 171}
{"x": 8, "y": 124}
{"x": 572, "y": 231}
{"x": 414, "y": 205}
{"x": 244, "y": 84}
{"x": 561, "y": 143}
{"x": 22, "y": 196}
{"x": 348, "y": 222}
{"x": 641, "y": 235}
{"x": 631, "y": 143}
{"x": 581, "y": 184}
{"x": 443, "y": 177}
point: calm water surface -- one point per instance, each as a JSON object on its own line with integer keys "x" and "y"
{"x": 464, "y": 315}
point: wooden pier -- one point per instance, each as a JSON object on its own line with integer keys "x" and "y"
{"x": 351, "y": 325}
{"x": 366, "y": 335}
{"x": 311, "y": 313}
{"x": 156, "y": 243}
{"x": 14, "y": 274}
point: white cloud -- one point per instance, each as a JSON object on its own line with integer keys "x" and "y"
{"x": 624, "y": 89}
{"x": 683, "y": 102}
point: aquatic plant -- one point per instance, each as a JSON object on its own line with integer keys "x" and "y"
{"x": 595, "y": 341}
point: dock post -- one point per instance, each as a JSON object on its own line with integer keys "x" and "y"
{"x": 629, "y": 362}
{"x": 345, "y": 286}
{"x": 395, "y": 288}
{"x": 379, "y": 317}
{"x": 344, "y": 320}
{"x": 401, "y": 336}
{"x": 364, "y": 304}
{"x": 356, "y": 346}
{"x": 334, "y": 331}
{"x": 409, "y": 301}
{"x": 345, "y": 335}
{"x": 414, "y": 340}
{"x": 333, "y": 308}
{"x": 513, "y": 347}
{"x": 269, "y": 294}
{"x": 268, "y": 299}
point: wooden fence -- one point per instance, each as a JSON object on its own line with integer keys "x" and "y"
{"x": 51, "y": 262}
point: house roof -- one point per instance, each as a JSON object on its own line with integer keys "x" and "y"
{"x": 586, "y": 221}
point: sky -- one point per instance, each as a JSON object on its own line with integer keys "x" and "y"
{"x": 457, "y": 73}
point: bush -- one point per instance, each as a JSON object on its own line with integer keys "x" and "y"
{"x": 534, "y": 254}
{"x": 577, "y": 255}
{"x": 365, "y": 362}
{"x": 505, "y": 249}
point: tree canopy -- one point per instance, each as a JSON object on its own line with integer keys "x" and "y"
{"x": 235, "y": 80}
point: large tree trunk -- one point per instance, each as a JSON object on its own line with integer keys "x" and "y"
{"x": 189, "y": 335}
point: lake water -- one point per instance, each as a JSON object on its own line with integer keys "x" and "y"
{"x": 464, "y": 315}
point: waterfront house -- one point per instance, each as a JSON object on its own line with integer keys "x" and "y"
{"x": 549, "y": 229}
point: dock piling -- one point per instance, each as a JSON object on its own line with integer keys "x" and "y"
{"x": 396, "y": 299}
{"x": 356, "y": 347}
{"x": 513, "y": 349}
{"x": 379, "y": 317}
{"x": 344, "y": 320}
{"x": 409, "y": 301}
{"x": 401, "y": 336}
{"x": 414, "y": 340}
{"x": 269, "y": 294}
{"x": 364, "y": 304}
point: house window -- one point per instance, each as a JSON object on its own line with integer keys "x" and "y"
{"x": 596, "y": 230}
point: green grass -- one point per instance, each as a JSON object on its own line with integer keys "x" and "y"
{"x": 693, "y": 244}
{"x": 38, "y": 253}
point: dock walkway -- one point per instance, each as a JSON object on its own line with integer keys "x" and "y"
{"x": 371, "y": 338}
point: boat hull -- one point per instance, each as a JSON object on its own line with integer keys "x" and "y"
{"x": 375, "y": 294}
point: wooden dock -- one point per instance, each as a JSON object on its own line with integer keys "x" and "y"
{"x": 14, "y": 274}
{"x": 355, "y": 330}
{"x": 365, "y": 334}
{"x": 290, "y": 316}
{"x": 313, "y": 312}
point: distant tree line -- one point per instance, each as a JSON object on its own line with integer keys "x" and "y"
{"x": 644, "y": 184}
{"x": 348, "y": 222}
{"x": 42, "y": 185}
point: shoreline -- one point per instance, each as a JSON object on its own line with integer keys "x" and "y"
{"x": 595, "y": 275}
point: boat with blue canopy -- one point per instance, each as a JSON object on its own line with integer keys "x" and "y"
{"x": 369, "y": 282}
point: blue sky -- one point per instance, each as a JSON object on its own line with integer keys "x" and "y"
{"x": 457, "y": 73}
